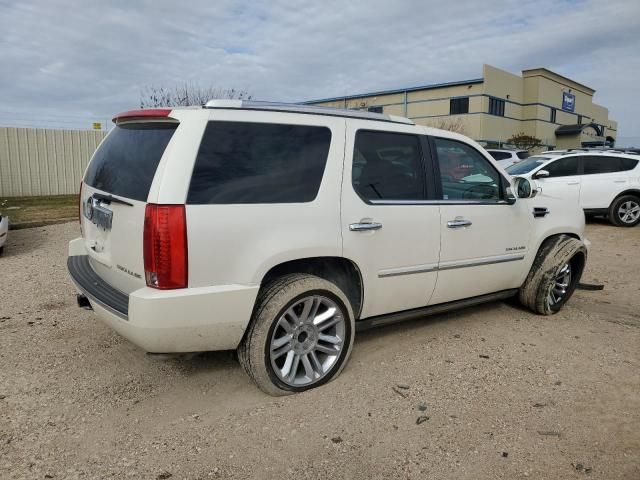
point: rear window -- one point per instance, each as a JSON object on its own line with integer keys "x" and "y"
{"x": 126, "y": 161}
{"x": 241, "y": 162}
{"x": 499, "y": 155}
{"x": 522, "y": 155}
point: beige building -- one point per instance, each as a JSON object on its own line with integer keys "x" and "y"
{"x": 557, "y": 110}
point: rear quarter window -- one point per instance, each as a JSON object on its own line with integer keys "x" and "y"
{"x": 246, "y": 163}
{"x": 126, "y": 161}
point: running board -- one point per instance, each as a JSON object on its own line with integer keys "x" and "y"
{"x": 396, "y": 317}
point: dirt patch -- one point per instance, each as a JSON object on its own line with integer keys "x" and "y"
{"x": 489, "y": 392}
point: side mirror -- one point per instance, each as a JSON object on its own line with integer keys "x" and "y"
{"x": 541, "y": 174}
{"x": 525, "y": 188}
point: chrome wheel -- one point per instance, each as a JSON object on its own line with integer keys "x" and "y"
{"x": 560, "y": 285}
{"x": 307, "y": 341}
{"x": 629, "y": 211}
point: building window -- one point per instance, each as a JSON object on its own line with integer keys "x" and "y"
{"x": 552, "y": 116}
{"x": 496, "y": 107}
{"x": 458, "y": 106}
{"x": 579, "y": 119}
{"x": 375, "y": 109}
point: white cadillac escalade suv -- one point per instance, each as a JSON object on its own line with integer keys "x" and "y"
{"x": 280, "y": 230}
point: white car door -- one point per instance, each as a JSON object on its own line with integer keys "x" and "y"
{"x": 603, "y": 179}
{"x": 563, "y": 182}
{"x": 484, "y": 239}
{"x": 388, "y": 228}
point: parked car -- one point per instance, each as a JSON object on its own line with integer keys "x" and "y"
{"x": 4, "y": 229}
{"x": 602, "y": 182}
{"x": 507, "y": 157}
{"x": 278, "y": 230}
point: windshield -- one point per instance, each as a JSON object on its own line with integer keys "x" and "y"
{"x": 525, "y": 166}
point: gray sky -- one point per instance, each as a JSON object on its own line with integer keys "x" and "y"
{"x": 66, "y": 64}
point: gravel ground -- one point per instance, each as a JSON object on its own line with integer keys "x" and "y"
{"x": 500, "y": 392}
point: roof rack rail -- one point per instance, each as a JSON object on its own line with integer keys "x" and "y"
{"x": 308, "y": 109}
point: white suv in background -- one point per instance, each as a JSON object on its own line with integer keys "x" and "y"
{"x": 278, "y": 230}
{"x": 602, "y": 182}
{"x": 507, "y": 157}
{"x": 4, "y": 229}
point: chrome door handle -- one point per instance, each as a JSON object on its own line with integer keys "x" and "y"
{"x": 364, "y": 226}
{"x": 458, "y": 223}
{"x": 575, "y": 182}
{"x": 619, "y": 181}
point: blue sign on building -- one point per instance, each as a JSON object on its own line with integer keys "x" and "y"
{"x": 568, "y": 101}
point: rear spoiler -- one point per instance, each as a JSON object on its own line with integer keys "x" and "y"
{"x": 144, "y": 113}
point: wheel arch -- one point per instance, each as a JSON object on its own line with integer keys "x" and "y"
{"x": 557, "y": 235}
{"x": 631, "y": 191}
{"x": 341, "y": 271}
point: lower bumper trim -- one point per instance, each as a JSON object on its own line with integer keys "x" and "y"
{"x": 95, "y": 288}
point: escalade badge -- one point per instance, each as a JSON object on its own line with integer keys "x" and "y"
{"x": 126, "y": 270}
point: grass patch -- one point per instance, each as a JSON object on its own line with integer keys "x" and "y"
{"x": 38, "y": 209}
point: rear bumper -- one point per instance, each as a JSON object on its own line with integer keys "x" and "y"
{"x": 169, "y": 321}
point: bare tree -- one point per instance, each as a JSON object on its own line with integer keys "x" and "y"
{"x": 452, "y": 124}
{"x": 187, "y": 94}
{"x": 524, "y": 142}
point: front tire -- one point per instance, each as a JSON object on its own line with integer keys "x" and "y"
{"x": 625, "y": 211}
{"x": 300, "y": 336}
{"x": 554, "y": 275}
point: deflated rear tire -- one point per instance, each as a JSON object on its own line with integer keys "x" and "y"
{"x": 300, "y": 336}
{"x": 554, "y": 275}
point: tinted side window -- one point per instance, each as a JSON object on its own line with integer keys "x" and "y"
{"x": 126, "y": 161}
{"x": 240, "y": 162}
{"x": 594, "y": 165}
{"x": 387, "y": 166}
{"x": 500, "y": 155}
{"x": 465, "y": 174}
{"x": 563, "y": 167}
{"x": 523, "y": 155}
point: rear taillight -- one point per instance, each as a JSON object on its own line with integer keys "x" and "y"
{"x": 165, "y": 246}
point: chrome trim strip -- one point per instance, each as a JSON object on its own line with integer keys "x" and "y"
{"x": 478, "y": 263}
{"x": 437, "y": 202}
{"x": 394, "y": 272}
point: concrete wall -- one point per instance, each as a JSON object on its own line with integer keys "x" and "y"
{"x": 44, "y": 162}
